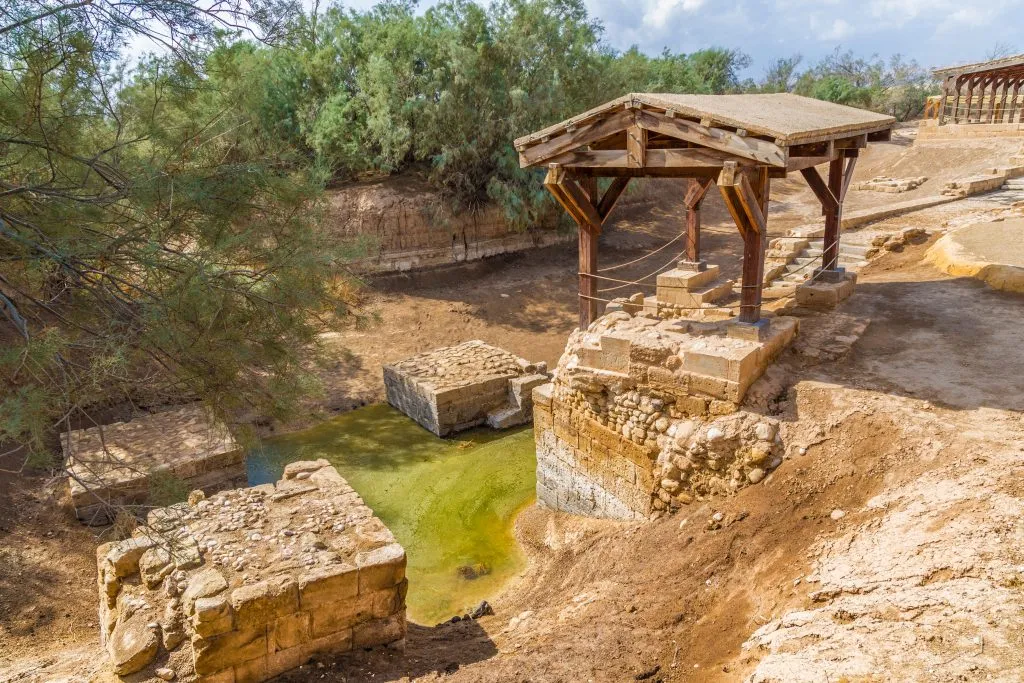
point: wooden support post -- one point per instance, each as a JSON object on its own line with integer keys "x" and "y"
{"x": 748, "y": 204}
{"x": 970, "y": 99}
{"x": 942, "y": 102}
{"x": 1002, "y": 101}
{"x": 588, "y": 267}
{"x": 696, "y": 191}
{"x": 1015, "y": 85}
{"x": 956, "y": 101}
{"x": 990, "y": 114}
{"x": 833, "y": 217}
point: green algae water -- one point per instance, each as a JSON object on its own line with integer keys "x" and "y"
{"x": 450, "y": 502}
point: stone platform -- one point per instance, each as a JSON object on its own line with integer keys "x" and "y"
{"x": 115, "y": 465}
{"x": 250, "y": 583}
{"x": 644, "y": 415}
{"x": 824, "y": 294}
{"x": 990, "y": 252}
{"x": 458, "y": 387}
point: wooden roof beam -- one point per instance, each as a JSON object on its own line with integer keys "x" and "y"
{"x": 743, "y": 146}
{"x": 583, "y": 135}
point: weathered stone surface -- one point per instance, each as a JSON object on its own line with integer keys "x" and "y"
{"x": 112, "y": 465}
{"x": 132, "y": 645}
{"x": 455, "y": 388}
{"x": 669, "y": 430}
{"x": 819, "y": 294}
{"x": 254, "y": 581}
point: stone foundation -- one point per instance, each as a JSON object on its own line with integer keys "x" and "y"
{"x": 643, "y": 415}
{"x": 463, "y": 386}
{"x": 822, "y": 294}
{"x": 253, "y": 582}
{"x": 115, "y": 465}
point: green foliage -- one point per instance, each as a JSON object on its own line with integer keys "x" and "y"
{"x": 159, "y": 238}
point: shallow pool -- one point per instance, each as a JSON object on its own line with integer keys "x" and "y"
{"x": 450, "y": 502}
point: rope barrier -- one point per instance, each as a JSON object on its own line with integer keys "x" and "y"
{"x": 645, "y": 256}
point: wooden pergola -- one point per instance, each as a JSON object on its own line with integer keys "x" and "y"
{"x": 985, "y": 92}
{"x": 739, "y": 142}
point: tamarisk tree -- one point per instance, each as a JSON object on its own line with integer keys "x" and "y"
{"x": 155, "y": 243}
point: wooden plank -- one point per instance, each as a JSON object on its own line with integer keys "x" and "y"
{"x": 855, "y": 142}
{"x": 742, "y": 200}
{"x": 830, "y": 254}
{"x": 636, "y": 146}
{"x": 800, "y": 163}
{"x": 654, "y": 158}
{"x": 695, "y": 193}
{"x": 575, "y": 195}
{"x": 611, "y": 197}
{"x": 751, "y": 203}
{"x": 829, "y": 202}
{"x": 880, "y": 136}
{"x": 587, "y": 285}
{"x": 751, "y": 148}
{"x": 584, "y": 135}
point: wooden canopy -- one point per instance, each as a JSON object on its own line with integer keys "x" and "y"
{"x": 983, "y": 92}
{"x": 738, "y": 141}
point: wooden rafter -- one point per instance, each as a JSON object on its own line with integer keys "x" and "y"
{"x": 576, "y": 138}
{"x": 722, "y": 140}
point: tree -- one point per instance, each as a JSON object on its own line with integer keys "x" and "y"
{"x": 158, "y": 241}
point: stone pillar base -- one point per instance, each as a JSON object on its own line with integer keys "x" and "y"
{"x": 824, "y": 294}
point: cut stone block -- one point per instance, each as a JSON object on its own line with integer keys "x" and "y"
{"x": 285, "y": 571}
{"x": 688, "y": 279}
{"x": 697, "y": 297}
{"x": 819, "y": 294}
{"x": 114, "y": 465}
{"x": 458, "y": 387}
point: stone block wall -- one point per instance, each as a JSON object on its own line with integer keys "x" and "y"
{"x": 644, "y": 415}
{"x": 462, "y": 386}
{"x": 250, "y": 583}
{"x": 114, "y": 465}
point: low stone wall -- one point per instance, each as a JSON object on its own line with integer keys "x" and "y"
{"x": 399, "y": 224}
{"x": 250, "y": 583}
{"x": 643, "y": 415}
{"x": 115, "y": 465}
{"x": 931, "y": 130}
{"x": 462, "y": 386}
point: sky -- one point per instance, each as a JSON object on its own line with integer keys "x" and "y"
{"x": 934, "y": 32}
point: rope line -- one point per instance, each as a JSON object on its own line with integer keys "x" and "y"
{"x": 641, "y": 282}
{"x": 730, "y": 307}
{"x": 645, "y": 256}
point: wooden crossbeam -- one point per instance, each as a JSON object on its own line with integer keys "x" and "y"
{"x": 653, "y": 158}
{"x": 583, "y": 135}
{"x": 829, "y": 202}
{"x": 800, "y": 163}
{"x": 745, "y": 147}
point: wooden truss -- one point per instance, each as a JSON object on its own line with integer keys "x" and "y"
{"x": 982, "y": 93}
{"x": 644, "y": 141}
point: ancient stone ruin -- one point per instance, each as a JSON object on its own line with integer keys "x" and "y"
{"x": 117, "y": 464}
{"x": 883, "y": 183}
{"x": 249, "y": 583}
{"x": 643, "y": 415}
{"x": 462, "y": 386}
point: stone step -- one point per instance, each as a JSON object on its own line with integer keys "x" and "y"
{"x": 509, "y": 416}
{"x": 817, "y": 246}
{"x": 1013, "y": 185}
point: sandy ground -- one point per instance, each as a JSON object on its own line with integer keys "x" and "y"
{"x": 915, "y": 435}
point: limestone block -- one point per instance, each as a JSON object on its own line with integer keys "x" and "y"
{"x": 112, "y": 465}
{"x": 697, "y": 297}
{"x": 679, "y": 278}
{"x": 455, "y": 388}
{"x": 819, "y": 294}
{"x": 258, "y": 598}
{"x": 132, "y": 645}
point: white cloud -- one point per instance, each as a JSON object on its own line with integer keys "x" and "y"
{"x": 840, "y": 29}
{"x": 658, "y": 12}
